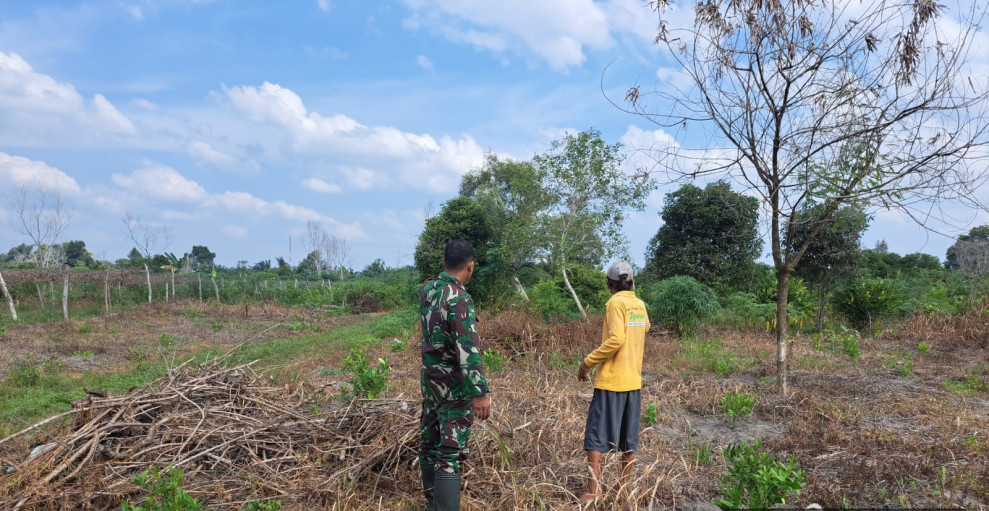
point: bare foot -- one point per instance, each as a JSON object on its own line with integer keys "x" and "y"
{"x": 590, "y": 497}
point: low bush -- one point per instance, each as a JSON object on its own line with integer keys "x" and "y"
{"x": 867, "y": 300}
{"x": 756, "y": 480}
{"x": 682, "y": 304}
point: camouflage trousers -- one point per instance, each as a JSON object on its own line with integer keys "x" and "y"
{"x": 445, "y": 430}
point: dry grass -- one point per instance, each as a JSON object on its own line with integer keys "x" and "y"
{"x": 867, "y": 432}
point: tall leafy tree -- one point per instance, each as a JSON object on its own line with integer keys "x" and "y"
{"x": 816, "y": 102}
{"x": 590, "y": 197}
{"x": 513, "y": 197}
{"x": 458, "y": 218}
{"x": 75, "y": 254}
{"x": 970, "y": 255}
{"x": 710, "y": 234}
{"x": 835, "y": 252}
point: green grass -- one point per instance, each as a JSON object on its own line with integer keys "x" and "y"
{"x": 710, "y": 356}
{"x": 29, "y": 394}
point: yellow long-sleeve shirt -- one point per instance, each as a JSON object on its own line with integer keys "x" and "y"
{"x": 622, "y": 342}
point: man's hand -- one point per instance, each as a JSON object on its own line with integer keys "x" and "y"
{"x": 482, "y": 407}
{"x": 582, "y": 372}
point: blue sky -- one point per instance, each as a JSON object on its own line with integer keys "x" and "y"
{"x": 232, "y": 123}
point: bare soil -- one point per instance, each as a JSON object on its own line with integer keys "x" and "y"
{"x": 894, "y": 428}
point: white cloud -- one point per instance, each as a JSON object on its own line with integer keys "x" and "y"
{"x": 161, "y": 182}
{"x": 205, "y": 154}
{"x": 111, "y": 117}
{"x": 554, "y": 31}
{"x": 318, "y": 185}
{"x": 415, "y": 160}
{"x": 424, "y": 62}
{"x": 17, "y": 170}
{"x": 324, "y": 5}
{"x": 135, "y": 12}
{"x": 38, "y": 107}
{"x": 235, "y": 231}
{"x": 144, "y": 105}
{"x": 362, "y": 179}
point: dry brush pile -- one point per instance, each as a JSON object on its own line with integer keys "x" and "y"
{"x": 237, "y": 437}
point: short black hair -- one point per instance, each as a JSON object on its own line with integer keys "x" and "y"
{"x": 625, "y": 284}
{"x": 457, "y": 254}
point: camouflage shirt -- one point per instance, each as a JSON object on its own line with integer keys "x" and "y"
{"x": 451, "y": 351}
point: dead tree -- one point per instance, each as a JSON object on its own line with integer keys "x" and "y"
{"x": 871, "y": 104}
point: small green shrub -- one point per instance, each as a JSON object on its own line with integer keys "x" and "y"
{"x": 702, "y": 454}
{"x": 397, "y": 324}
{"x": 367, "y": 382}
{"x": 216, "y": 325}
{"x": 650, "y": 416}
{"x": 737, "y": 404}
{"x": 757, "y": 480}
{"x": 3, "y": 331}
{"x": 166, "y": 493}
{"x": 24, "y": 374}
{"x": 866, "y": 300}
{"x": 850, "y": 346}
{"x": 923, "y": 348}
{"x": 257, "y": 505}
{"x": 710, "y": 356}
{"x": 85, "y": 328}
{"x": 493, "y": 360}
{"x": 683, "y": 304}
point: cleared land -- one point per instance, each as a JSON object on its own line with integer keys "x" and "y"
{"x": 900, "y": 419}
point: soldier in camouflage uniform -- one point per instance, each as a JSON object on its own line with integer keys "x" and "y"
{"x": 454, "y": 390}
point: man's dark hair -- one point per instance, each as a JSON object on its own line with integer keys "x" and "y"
{"x": 625, "y": 284}
{"x": 457, "y": 254}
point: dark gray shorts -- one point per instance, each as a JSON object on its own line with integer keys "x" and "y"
{"x": 613, "y": 421}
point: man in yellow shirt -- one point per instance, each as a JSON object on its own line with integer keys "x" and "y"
{"x": 613, "y": 417}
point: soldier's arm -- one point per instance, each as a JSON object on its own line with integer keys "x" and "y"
{"x": 464, "y": 329}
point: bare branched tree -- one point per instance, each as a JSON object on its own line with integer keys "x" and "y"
{"x": 870, "y": 104}
{"x": 319, "y": 240}
{"x": 40, "y": 215}
{"x": 150, "y": 240}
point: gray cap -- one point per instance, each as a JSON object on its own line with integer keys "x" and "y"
{"x": 619, "y": 268}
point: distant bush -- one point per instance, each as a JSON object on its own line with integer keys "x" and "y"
{"x": 682, "y": 303}
{"x": 866, "y": 300}
{"x": 552, "y": 298}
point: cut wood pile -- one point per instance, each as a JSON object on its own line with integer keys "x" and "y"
{"x": 237, "y": 437}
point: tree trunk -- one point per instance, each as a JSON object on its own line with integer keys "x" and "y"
{"x": 822, "y": 300}
{"x": 65, "y": 297}
{"x": 566, "y": 280}
{"x": 173, "y": 282}
{"x": 106, "y": 291}
{"x": 166, "y": 291}
{"x": 782, "y": 369}
{"x": 216, "y": 289}
{"x": 10, "y": 299}
{"x": 41, "y": 296}
{"x": 200, "y": 278}
{"x": 147, "y": 273}
{"x": 519, "y": 288}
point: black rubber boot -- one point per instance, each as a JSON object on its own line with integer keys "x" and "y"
{"x": 446, "y": 493}
{"x": 428, "y": 481}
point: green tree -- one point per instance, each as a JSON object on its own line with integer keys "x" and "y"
{"x": 589, "y": 199}
{"x": 817, "y": 103}
{"x": 201, "y": 259}
{"x": 970, "y": 255}
{"x": 710, "y": 234}
{"x": 19, "y": 254}
{"x": 513, "y": 197}
{"x": 459, "y": 218}
{"x": 75, "y": 254}
{"x": 377, "y": 268}
{"x": 833, "y": 255}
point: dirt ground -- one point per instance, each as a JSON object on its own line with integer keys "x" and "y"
{"x": 111, "y": 342}
{"x": 905, "y": 425}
